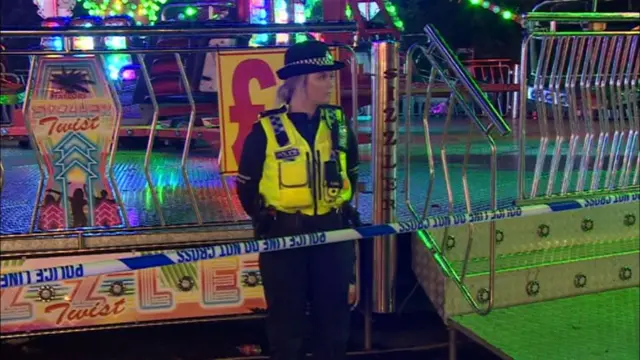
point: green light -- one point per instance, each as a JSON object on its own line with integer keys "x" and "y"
{"x": 393, "y": 13}
{"x": 392, "y": 10}
{"x": 348, "y": 13}
{"x": 299, "y": 38}
{"x": 148, "y": 9}
{"x": 190, "y": 11}
{"x": 506, "y": 14}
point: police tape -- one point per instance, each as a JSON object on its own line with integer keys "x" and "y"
{"x": 67, "y": 272}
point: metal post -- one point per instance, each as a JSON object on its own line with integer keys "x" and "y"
{"x": 291, "y": 14}
{"x": 452, "y": 344}
{"x": 385, "y": 96}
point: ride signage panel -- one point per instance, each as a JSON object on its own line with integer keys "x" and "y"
{"x": 210, "y": 288}
{"x": 72, "y": 116}
{"x": 247, "y": 84}
{"x": 218, "y": 287}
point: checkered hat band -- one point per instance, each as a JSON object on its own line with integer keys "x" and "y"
{"x": 313, "y": 61}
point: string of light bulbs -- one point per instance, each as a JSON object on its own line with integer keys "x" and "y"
{"x": 502, "y": 12}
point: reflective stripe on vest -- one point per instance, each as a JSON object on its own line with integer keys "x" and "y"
{"x": 278, "y": 129}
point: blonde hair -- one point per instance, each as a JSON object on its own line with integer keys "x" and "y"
{"x": 288, "y": 87}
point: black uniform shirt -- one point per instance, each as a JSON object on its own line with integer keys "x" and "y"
{"x": 253, "y": 157}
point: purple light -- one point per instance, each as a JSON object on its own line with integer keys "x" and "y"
{"x": 129, "y": 74}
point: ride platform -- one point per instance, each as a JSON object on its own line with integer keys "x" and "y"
{"x": 220, "y": 208}
{"x": 602, "y": 325}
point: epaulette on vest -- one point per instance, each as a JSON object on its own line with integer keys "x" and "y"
{"x": 278, "y": 111}
{"x": 332, "y": 107}
{"x": 333, "y": 114}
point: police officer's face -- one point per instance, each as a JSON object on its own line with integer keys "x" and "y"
{"x": 320, "y": 86}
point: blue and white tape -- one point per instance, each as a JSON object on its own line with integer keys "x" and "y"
{"x": 66, "y": 272}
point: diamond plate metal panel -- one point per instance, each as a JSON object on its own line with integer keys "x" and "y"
{"x": 536, "y": 284}
{"x": 22, "y": 174}
{"x": 429, "y": 274}
{"x": 521, "y": 242}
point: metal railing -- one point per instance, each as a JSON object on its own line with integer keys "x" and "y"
{"x": 187, "y": 88}
{"x": 146, "y": 78}
{"x": 580, "y": 78}
{"x": 448, "y": 69}
{"x": 178, "y": 53}
{"x": 461, "y": 74}
{"x": 185, "y": 29}
{"x": 495, "y": 71}
{"x": 573, "y": 17}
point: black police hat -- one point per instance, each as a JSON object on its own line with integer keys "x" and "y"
{"x": 307, "y": 58}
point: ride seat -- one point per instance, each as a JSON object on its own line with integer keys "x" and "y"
{"x": 164, "y": 65}
{"x": 167, "y": 83}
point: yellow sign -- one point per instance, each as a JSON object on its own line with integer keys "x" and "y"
{"x": 247, "y": 84}
{"x": 212, "y": 288}
{"x": 72, "y": 116}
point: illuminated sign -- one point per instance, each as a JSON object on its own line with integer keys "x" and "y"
{"x": 72, "y": 116}
{"x": 548, "y": 96}
{"x": 219, "y": 287}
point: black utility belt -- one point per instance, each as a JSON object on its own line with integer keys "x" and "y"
{"x": 283, "y": 216}
{"x": 279, "y": 222}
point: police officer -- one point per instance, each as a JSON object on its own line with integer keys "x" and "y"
{"x": 297, "y": 173}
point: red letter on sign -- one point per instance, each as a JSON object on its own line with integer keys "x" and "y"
{"x": 244, "y": 112}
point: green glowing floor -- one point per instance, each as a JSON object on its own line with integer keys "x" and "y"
{"x": 597, "y": 326}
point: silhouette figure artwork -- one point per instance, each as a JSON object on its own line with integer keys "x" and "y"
{"x": 51, "y": 212}
{"x": 72, "y": 115}
{"x": 106, "y": 211}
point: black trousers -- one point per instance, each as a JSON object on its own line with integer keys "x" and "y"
{"x": 318, "y": 276}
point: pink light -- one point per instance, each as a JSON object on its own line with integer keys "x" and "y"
{"x": 129, "y": 74}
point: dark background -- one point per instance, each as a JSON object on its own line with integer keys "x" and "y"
{"x": 463, "y": 25}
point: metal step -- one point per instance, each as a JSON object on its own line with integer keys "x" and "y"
{"x": 537, "y": 258}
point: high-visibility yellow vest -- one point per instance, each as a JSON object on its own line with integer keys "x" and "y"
{"x": 293, "y": 176}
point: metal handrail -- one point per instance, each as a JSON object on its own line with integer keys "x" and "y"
{"x": 112, "y": 154}
{"x": 568, "y": 17}
{"x": 425, "y": 122}
{"x": 438, "y": 249}
{"x": 593, "y": 3}
{"x": 184, "y": 163}
{"x": 497, "y": 121}
{"x": 596, "y": 71}
{"x": 197, "y": 29}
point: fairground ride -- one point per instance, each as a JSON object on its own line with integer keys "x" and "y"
{"x": 499, "y": 235}
{"x": 164, "y": 73}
